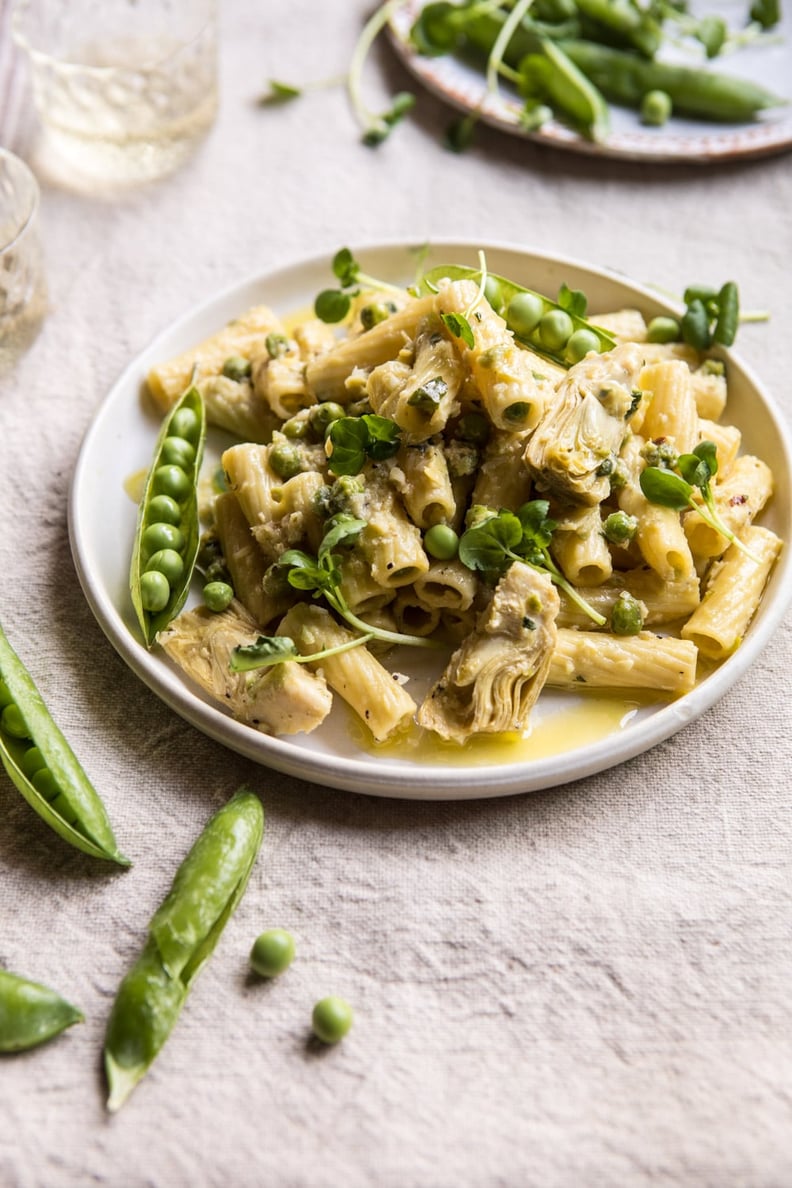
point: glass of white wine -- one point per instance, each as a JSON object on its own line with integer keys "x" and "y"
{"x": 124, "y": 89}
{"x": 23, "y": 292}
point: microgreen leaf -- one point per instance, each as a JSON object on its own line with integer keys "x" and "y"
{"x": 279, "y": 93}
{"x": 665, "y": 488}
{"x": 267, "y": 650}
{"x": 460, "y": 328}
{"x": 351, "y": 440}
{"x": 345, "y": 267}
{"x": 489, "y": 546}
{"x": 574, "y": 301}
{"x": 339, "y": 528}
{"x": 331, "y": 305}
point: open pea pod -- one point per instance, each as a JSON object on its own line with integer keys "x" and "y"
{"x": 544, "y": 325}
{"x": 182, "y": 935}
{"x": 31, "y": 1014}
{"x": 168, "y": 530}
{"x": 43, "y": 767}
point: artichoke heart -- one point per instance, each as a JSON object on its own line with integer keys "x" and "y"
{"x": 282, "y": 699}
{"x": 570, "y": 453}
{"x": 495, "y": 676}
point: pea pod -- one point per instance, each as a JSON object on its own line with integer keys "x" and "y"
{"x": 533, "y": 318}
{"x": 43, "y": 767}
{"x": 182, "y": 935}
{"x": 31, "y": 1014}
{"x": 625, "y": 78}
{"x": 168, "y": 518}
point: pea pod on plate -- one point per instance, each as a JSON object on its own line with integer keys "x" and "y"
{"x": 552, "y": 330}
{"x": 182, "y": 935}
{"x": 167, "y": 533}
{"x": 31, "y": 1014}
{"x": 43, "y": 767}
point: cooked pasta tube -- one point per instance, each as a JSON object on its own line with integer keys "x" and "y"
{"x": 282, "y": 699}
{"x": 242, "y": 337}
{"x": 389, "y": 542}
{"x": 427, "y": 491}
{"x": 313, "y": 338}
{"x": 359, "y": 588}
{"x": 448, "y": 585}
{"x": 580, "y": 549}
{"x": 671, "y": 412}
{"x": 357, "y": 676}
{"x": 726, "y": 439}
{"x": 625, "y": 325}
{"x": 732, "y": 595}
{"x": 245, "y": 560}
{"x": 279, "y": 382}
{"x": 660, "y": 535}
{"x": 412, "y": 615}
{"x": 295, "y": 521}
{"x": 503, "y": 479}
{"x": 327, "y": 375}
{"x": 738, "y": 500}
{"x": 595, "y": 660}
{"x": 493, "y": 679}
{"x": 251, "y": 480}
{"x": 420, "y": 395}
{"x": 664, "y": 602}
{"x": 709, "y": 392}
{"x": 457, "y": 625}
{"x": 513, "y": 397}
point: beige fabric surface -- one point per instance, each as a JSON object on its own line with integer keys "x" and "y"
{"x": 583, "y": 986}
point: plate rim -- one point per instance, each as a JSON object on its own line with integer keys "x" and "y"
{"x": 756, "y": 139}
{"x": 374, "y": 775}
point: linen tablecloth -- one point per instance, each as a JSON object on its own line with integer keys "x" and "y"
{"x": 582, "y": 986}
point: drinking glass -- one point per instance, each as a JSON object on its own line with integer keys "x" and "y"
{"x": 22, "y": 287}
{"x": 124, "y": 89}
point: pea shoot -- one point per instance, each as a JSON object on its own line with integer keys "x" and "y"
{"x": 675, "y": 489}
{"x": 353, "y": 440}
{"x": 333, "y": 305}
{"x": 322, "y": 577}
{"x": 500, "y": 538}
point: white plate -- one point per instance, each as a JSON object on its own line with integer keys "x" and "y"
{"x": 769, "y": 65}
{"x": 102, "y": 522}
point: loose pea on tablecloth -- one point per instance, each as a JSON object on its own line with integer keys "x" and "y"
{"x": 588, "y": 985}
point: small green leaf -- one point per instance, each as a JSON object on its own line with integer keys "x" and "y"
{"x": 460, "y": 328}
{"x": 665, "y": 488}
{"x": 331, "y": 306}
{"x": 384, "y": 436}
{"x": 345, "y": 267}
{"x": 279, "y": 93}
{"x": 574, "y": 301}
{"x": 267, "y": 650}
{"x": 487, "y": 546}
{"x": 339, "y": 528}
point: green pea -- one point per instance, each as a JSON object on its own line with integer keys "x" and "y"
{"x": 580, "y": 343}
{"x": 663, "y": 329}
{"x": 171, "y": 480}
{"x": 178, "y": 451}
{"x": 626, "y": 615}
{"x": 5, "y": 695}
{"x": 494, "y": 293}
{"x": 31, "y": 761}
{"x": 154, "y": 591}
{"x": 163, "y": 510}
{"x": 322, "y": 416}
{"x": 285, "y": 460}
{"x": 619, "y": 527}
{"x": 331, "y": 1019}
{"x": 13, "y": 723}
{"x": 378, "y": 311}
{"x": 524, "y": 313}
{"x": 237, "y": 368}
{"x": 555, "y": 329}
{"x": 296, "y": 429}
{"x": 218, "y": 595}
{"x": 441, "y": 542}
{"x": 656, "y": 108}
{"x": 161, "y": 536}
{"x": 185, "y": 422}
{"x": 44, "y": 782}
{"x": 167, "y": 562}
{"x": 272, "y": 952}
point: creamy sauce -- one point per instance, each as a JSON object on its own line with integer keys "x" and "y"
{"x": 555, "y": 733}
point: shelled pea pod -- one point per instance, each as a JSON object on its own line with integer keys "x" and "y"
{"x": 31, "y": 1014}
{"x": 43, "y": 767}
{"x": 182, "y": 935}
{"x": 166, "y": 536}
{"x": 551, "y": 329}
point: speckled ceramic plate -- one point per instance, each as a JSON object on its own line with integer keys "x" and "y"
{"x": 770, "y": 65}
{"x": 572, "y": 736}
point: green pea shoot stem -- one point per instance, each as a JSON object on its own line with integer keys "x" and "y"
{"x": 376, "y": 126}
{"x": 495, "y": 59}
